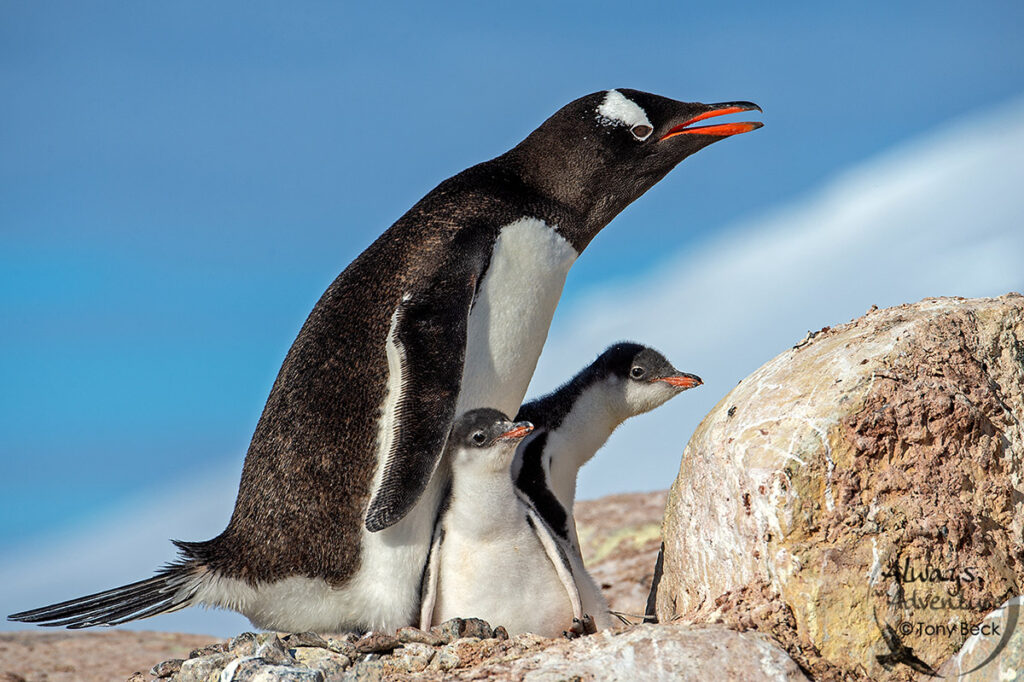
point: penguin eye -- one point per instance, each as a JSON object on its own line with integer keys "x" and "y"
{"x": 479, "y": 437}
{"x": 641, "y": 131}
{"x": 637, "y": 372}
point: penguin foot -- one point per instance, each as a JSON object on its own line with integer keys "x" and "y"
{"x": 580, "y": 627}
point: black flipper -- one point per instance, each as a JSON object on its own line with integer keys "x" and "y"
{"x": 429, "y": 334}
{"x": 173, "y": 587}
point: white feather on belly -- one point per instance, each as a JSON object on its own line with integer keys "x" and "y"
{"x": 509, "y": 321}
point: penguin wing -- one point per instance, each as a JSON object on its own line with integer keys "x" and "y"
{"x": 559, "y": 559}
{"x": 426, "y": 348}
{"x": 428, "y": 590}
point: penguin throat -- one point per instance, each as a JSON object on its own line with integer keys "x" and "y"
{"x": 583, "y": 431}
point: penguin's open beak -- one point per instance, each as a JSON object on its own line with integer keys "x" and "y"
{"x": 518, "y": 430}
{"x": 721, "y": 129}
{"x": 682, "y": 380}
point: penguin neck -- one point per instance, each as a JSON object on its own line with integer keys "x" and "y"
{"x": 585, "y": 428}
{"x": 579, "y": 205}
{"x": 482, "y": 499}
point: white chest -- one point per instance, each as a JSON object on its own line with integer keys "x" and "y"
{"x": 506, "y": 579}
{"x": 509, "y": 321}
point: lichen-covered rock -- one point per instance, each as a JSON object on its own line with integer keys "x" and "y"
{"x": 167, "y": 668}
{"x": 273, "y": 650}
{"x": 415, "y": 635}
{"x": 326, "y": 661}
{"x": 869, "y": 477}
{"x": 304, "y": 639}
{"x": 244, "y": 644}
{"x": 201, "y": 668}
{"x": 255, "y": 669}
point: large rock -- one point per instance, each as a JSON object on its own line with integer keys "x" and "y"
{"x": 814, "y": 496}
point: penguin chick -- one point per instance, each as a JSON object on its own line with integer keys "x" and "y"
{"x": 493, "y": 557}
{"x": 572, "y": 424}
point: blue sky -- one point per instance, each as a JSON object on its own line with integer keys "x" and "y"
{"x": 179, "y": 182}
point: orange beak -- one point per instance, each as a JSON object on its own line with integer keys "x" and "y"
{"x": 519, "y": 430}
{"x": 683, "y": 380}
{"x": 721, "y": 129}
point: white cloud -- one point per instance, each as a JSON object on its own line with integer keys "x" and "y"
{"x": 942, "y": 216}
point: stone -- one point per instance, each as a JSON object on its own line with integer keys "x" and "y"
{"x": 869, "y": 478}
{"x": 215, "y": 648}
{"x": 255, "y": 669}
{"x": 167, "y": 668}
{"x": 376, "y": 642}
{"x": 414, "y": 657}
{"x": 243, "y": 644}
{"x": 476, "y": 627}
{"x": 408, "y": 635}
{"x": 200, "y": 669}
{"x": 448, "y": 658}
{"x": 135, "y": 677}
{"x": 306, "y": 639}
{"x": 448, "y": 631}
{"x": 331, "y": 664}
{"x": 273, "y": 650}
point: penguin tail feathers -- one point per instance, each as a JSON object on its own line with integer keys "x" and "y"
{"x": 174, "y": 587}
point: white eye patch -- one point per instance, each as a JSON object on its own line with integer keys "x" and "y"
{"x": 617, "y": 109}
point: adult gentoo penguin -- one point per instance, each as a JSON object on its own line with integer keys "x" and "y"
{"x": 445, "y": 312}
{"x": 493, "y": 557}
{"x": 571, "y": 424}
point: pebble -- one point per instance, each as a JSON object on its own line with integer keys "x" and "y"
{"x": 332, "y": 665}
{"x": 475, "y": 627}
{"x": 410, "y": 635}
{"x": 215, "y": 648}
{"x": 167, "y": 668}
{"x": 200, "y": 669}
{"x": 253, "y": 669}
{"x": 307, "y": 639}
{"x": 448, "y": 631}
{"x": 415, "y": 656}
{"x": 243, "y": 645}
{"x": 273, "y": 650}
{"x": 377, "y": 642}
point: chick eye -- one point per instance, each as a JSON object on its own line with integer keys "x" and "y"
{"x": 641, "y": 131}
{"x": 637, "y": 372}
{"x": 479, "y": 437}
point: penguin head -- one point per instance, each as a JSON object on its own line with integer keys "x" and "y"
{"x": 601, "y": 152}
{"x": 486, "y": 438}
{"x": 640, "y": 378}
